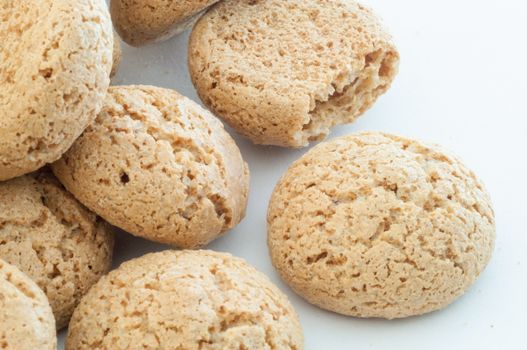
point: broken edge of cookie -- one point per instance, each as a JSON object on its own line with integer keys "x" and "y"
{"x": 350, "y": 97}
{"x": 354, "y": 91}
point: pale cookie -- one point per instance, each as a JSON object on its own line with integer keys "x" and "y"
{"x": 117, "y": 53}
{"x": 52, "y": 238}
{"x": 159, "y": 166}
{"x": 284, "y": 72}
{"x": 55, "y": 61}
{"x": 185, "y": 300}
{"x": 143, "y": 21}
{"x": 26, "y": 320}
{"x": 375, "y": 225}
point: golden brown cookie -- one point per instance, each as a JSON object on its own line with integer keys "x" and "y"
{"x": 26, "y": 320}
{"x": 52, "y": 238}
{"x": 143, "y": 21}
{"x": 159, "y": 166}
{"x": 284, "y": 72}
{"x": 375, "y": 225}
{"x": 55, "y": 61}
{"x": 185, "y": 300}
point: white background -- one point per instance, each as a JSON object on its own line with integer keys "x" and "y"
{"x": 462, "y": 83}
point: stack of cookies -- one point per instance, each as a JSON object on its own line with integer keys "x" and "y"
{"x": 366, "y": 225}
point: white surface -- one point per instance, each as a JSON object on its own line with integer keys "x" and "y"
{"x": 462, "y": 84}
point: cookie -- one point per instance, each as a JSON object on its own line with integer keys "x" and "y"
{"x": 55, "y": 62}
{"x": 159, "y": 166}
{"x": 284, "y": 72}
{"x": 375, "y": 225}
{"x": 117, "y": 53}
{"x": 52, "y": 238}
{"x": 140, "y": 22}
{"x": 185, "y": 300}
{"x": 26, "y": 320}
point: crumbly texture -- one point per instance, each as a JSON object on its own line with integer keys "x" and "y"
{"x": 185, "y": 300}
{"x": 26, "y": 320}
{"x": 52, "y": 238}
{"x": 55, "y": 61}
{"x": 140, "y": 22}
{"x": 117, "y": 53}
{"x": 284, "y": 72}
{"x": 375, "y": 225}
{"x": 159, "y": 166}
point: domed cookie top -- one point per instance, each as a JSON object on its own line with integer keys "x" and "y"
{"x": 55, "y": 62}
{"x": 158, "y": 166}
{"x": 26, "y": 320}
{"x": 52, "y": 238}
{"x": 143, "y": 21}
{"x": 375, "y": 225}
{"x": 185, "y": 300}
{"x": 283, "y": 72}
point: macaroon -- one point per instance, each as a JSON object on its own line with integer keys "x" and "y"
{"x": 140, "y": 22}
{"x": 377, "y": 225}
{"x": 185, "y": 300}
{"x": 55, "y": 63}
{"x": 26, "y": 320}
{"x": 285, "y": 72}
{"x": 157, "y": 165}
{"x": 56, "y": 241}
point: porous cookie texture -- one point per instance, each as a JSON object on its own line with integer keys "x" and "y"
{"x": 143, "y": 21}
{"x": 284, "y": 72}
{"x": 375, "y": 225}
{"x": 159, "y": 166}
{"x": 117, "y": 53}
{"x": 52, "y": 238}
{"x": 26, "y": 320}
{"x": 185, "y": 300}
{"x": 55, "y": 62}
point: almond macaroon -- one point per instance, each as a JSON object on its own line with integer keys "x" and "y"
{"x": 26, "y": 320}
{"x": 284, "y": 72}
{"x": 140, "y": 22}
{"x": 185, "y": 300}
{"x": 46, "y": 233}
{"x": 55, "y": 63}
{"x": 377, "y": 225}
{"x": 159, "y": 166}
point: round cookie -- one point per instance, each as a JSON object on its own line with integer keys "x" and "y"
{"x": 284, "y": 72}
{"x": 140, "y": 22}
{"x": 159, "y": 166}
{"x": 375, "y": 225}
{"x": 55, "y": 62}
{"x": 26, "y": 320}
{"x": 185, "y": 300}
{"x": 52, "y": 238}
{"x": 117, "y": 53}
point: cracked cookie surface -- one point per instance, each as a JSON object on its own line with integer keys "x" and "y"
{"x": 159, "y": 166}
{"x": 285, "y": 72}
{"x": 185, "y": 300}
{"x": 52, "y": 238}
{"x": 26, "y": 320}
{"x": 375, "y": 225}
{"x": 140, "y": 22}
{"x": 55, "y": 62}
